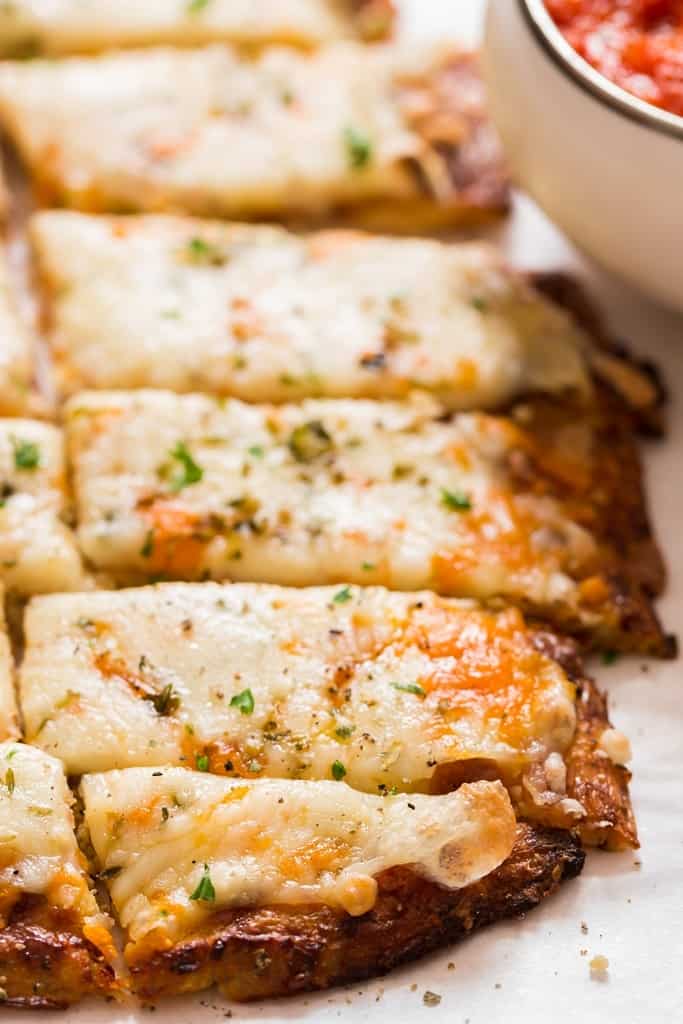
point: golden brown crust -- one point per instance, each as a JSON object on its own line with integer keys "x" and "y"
{"x": 460, "y": 176}
{"x": 595, "y": 781}
{"x": 592, "y": 778}
{"x": 45, "y": 960}
{"x": 276, "y": 951}
{"x": 587, "y": 458}
{"x": 630, "y": 398}
{"x": 634, "y": 384}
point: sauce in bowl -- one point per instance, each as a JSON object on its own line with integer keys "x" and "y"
{"x": 637, "y": 44}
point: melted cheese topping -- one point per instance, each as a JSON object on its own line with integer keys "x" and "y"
{"x": 263, "y": 680}
{"x": 38, "y": 849}
{"x": 38, "y": 552}
{"x": 271, "y": 842}
{"x": 68, "y": 26}
{"x": 9, "y": 726}
{"x": 17, "y": 386}
{"x": 265, "y": 315}
{"x": 325, "y": 491}
{"x": 151, "y": 130}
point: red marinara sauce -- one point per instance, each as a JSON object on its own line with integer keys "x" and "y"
{"x": 638, "y": 44}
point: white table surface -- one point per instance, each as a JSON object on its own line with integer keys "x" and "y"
{"x": 537, "y": 970}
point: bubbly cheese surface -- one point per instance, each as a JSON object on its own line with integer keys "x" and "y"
{"x": 17, "y": 385}
{"x": 38, "y": 849}
{"x": 265, "y": 315}
{"x": 363, "y": 492}
{"x": 258, "y": 680}
{"x": 67, "y": 26}
{"x": 38, "y": 552}
{"x": 188, "y": 844}
{"x": 150, "y": 130}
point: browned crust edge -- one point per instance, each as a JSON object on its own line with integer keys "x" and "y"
{"x": 592, "y": 778}
{"x": 608, "y": 499}
{"x": 635, "y": 384}
{"x": 45, "y": 960}
{"x": 630, "y": 399}
{"x": 459, "y": 136}
{"x": 595, "y": 781}
{"x": 277, "y": 951}
{"x": 476, "y": 165}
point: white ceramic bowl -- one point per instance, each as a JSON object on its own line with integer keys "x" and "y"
{"x": 605, "y": 166}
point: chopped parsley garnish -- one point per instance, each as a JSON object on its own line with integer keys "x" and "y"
{"x": 9, "y": 780}
{"x": 202, "y": 762}
{"x": 338, "y": 770}
{"x": 256, "y": 451}
{"x": 309, "y": 441}
{"x": 26, "y": 454}
{"x": 385, "y": 790}
{"x": 344, "y": 731}
{"x": 255, "y": 767}
{"x": 200, "y": 251}
{"x": 244, "y": 701}
{"x": 188, "y": 472}
{"x": 368, "y": 566}
{"x": 205, "y": 890}
{"x": 166, "y": 702}
{"x": 410, "y": 688}
{"x": 343, "y": 595}
{"x": 479, "y": 303}
{"x": 455, "y": 500}
{"x": 358, "y": 147}
{"x": 610, "y": 657}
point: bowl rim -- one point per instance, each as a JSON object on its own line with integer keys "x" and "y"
{"x": 592, "y": 81}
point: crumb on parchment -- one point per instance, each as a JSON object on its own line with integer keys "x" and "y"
{"x": 599, "y": 966}
{"x": 431, "y": 998}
